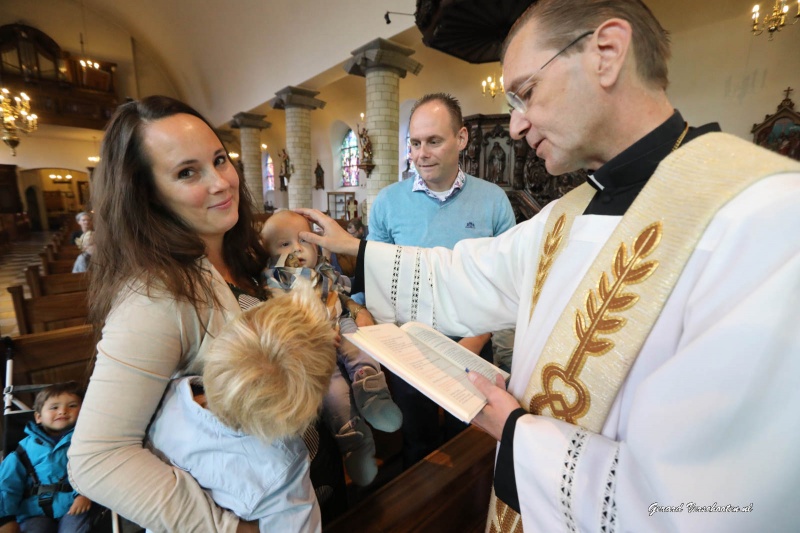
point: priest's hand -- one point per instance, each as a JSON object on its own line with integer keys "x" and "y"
{"x": 494, "y": 414}
{"x": 334, "y": 237}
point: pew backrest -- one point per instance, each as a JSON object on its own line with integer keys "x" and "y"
{"x": 60, "y": 266}
{"x": 54, "y": 283}
{"x": 447, "y": 491}
{"x": 53, "y": 356}
{"x": 46, "y": 313}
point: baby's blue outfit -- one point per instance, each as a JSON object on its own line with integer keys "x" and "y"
{"x": 255, "y": 480}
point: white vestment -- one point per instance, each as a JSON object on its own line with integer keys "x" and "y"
{"x": 707, "y": 417}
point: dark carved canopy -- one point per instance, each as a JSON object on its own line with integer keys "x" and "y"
{"x": 472, "y": 30}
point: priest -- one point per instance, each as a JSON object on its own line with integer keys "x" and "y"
{"x": 653, "y": 383}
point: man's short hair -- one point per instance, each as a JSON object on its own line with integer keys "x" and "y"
{"x": 449, "y": 101}
{"x": 562, "y": 21}
{"x": 268, "y": 369}
{"x": 68, "y": 387}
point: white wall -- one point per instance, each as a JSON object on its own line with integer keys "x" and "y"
{"x": 720, "y": 72}
{"x": 40, "y": 150}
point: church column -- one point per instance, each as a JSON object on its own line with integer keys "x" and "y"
{"x": 382, "y": 63}
{"x": 250, "y": 126}
{"x": 298, "y": 103}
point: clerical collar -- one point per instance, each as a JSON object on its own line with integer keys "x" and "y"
{"x": 620, "y": 180}
{"x": 420, "y": 185}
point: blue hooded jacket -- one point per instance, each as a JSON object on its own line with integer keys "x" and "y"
{"x": 49, "y": 459}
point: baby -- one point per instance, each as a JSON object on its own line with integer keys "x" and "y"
{"x": 33, "y": 479}
{"x": 238, "y": 429}
{"x": 358, "y": 390}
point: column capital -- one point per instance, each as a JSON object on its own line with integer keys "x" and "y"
{"x": 226, "y": 136}
{"x": 249, "y": 120}
{"x": 381, "y": 53}
{"x": 296, "y": 97}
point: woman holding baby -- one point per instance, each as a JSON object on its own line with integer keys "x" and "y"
{"x": 176, "y": 259}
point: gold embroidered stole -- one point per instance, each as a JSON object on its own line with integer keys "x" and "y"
{"x": 557, "y": 227}
{"x": 588, "y": 354}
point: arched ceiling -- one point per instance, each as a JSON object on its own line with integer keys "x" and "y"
{"x": 232, "y": 56}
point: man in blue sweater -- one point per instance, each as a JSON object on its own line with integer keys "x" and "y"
{"x": 439, "y": 207}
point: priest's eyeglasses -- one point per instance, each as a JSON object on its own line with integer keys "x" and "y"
{"x": 518, "y": 99}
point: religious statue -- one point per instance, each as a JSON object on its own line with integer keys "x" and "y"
{"x": 497, "y": 164}
{"x": 407, "y": 172}
{"x": 320, "y": 175}
{"x": 521, "y": 150}
{"x": 473, "y": 151}
{"x": 287, "y": 169}
{"x": 535, "y": 176}
{"x": 366, "y": 145}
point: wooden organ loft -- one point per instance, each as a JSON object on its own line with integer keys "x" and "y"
{"x": 64, "y": 92}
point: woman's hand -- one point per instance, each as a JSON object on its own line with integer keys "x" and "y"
{"x": 334, "y": 237}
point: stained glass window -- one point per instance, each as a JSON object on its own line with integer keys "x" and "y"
{"x": 267, "y": 172}
{"x": 349, "y": 155}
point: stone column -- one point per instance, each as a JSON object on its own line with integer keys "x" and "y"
{"x": 250, "y": 126}
{"x": 383, "y": 63}
{"x": 298, "y": 103}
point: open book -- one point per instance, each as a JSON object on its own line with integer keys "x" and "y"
{"x": 430, "y": 362}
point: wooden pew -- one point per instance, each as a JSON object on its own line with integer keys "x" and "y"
{"x": 447, "y": 491}
{"x": 59, "y": 253}
{"x": 53, "y": 356}
{"x": 54, "y": 283}
{"x": 46, "y": 313}
{"x": 62, "y": 266}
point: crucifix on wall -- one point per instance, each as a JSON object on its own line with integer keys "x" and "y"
{"x": 352, "y": 208}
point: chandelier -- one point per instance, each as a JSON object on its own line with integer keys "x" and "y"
{"x": 774, "y": 21}
{"x": 491, "y": 87}
{"x": 16, "y": 117}
{"x": 85, "y": 61}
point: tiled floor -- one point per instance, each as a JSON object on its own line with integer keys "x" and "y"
{"x": 12, "y": 272}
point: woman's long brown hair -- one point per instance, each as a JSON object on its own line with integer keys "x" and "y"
{"x": 137, "y": 237}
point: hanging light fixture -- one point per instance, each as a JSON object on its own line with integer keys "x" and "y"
{"x": 85, "y": 61}
{"x": 775, "y": 20}
{"x": 491, "y": 87}
{"x": 17, "y": 117}
{"x": 94, "y": 158}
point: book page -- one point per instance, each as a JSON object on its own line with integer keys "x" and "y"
{"x": 422, "y": 367}
{"x": 457, "y": 354}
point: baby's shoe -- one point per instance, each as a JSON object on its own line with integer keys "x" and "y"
{"x": 357, "y": 447}
{"x": 374, "y": 401}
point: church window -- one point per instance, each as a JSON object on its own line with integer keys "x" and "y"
{"x": 349, "y": 159}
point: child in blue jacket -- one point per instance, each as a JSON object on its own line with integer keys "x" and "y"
{"x": 33, "y": 479}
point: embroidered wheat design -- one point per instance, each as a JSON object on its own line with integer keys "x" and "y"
{"x": 608, "y": 299}
{"x": 549, "y": 248}
{"x": 506, "y": 520}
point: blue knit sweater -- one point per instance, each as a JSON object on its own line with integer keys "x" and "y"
{"x": 412, "y": 218}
